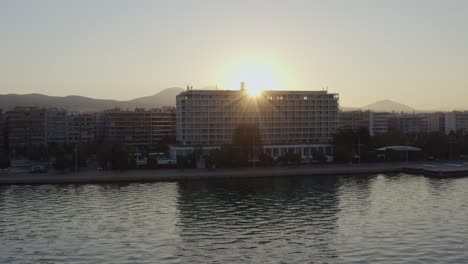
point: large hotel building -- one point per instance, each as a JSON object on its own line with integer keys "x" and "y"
{"x": 297, "y": 121}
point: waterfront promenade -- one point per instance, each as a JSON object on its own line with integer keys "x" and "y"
{"x": 91, "y": 176}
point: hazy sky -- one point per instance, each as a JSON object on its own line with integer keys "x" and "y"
{"x": 414, "y": 52}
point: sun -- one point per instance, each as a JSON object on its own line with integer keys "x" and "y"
{"x": 258, "y": 74}
{"x": 252, "y": 91}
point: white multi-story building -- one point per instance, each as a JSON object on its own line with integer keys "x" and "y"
{"x": 298, "y": 121}
{"x": 379, "y": 122}
{"x": 81, "y": 128}
{"x": 352, "y": 120}
{"x": 56, "y": 125}
{"x": 409, "y": 123}
{"x": 436, "y": 122}
{"x": 2, "y": 131}
{"x": 456, "y": 121}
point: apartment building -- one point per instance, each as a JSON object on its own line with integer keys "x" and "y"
{"x": 26, "y": 126}
{"x": 141, "y": 128}
{"x": 436, "y": 122}
{"x": 409, "y": 123}
{"x": 299, "y": 121}
{"x": 2, "y": 131}
{"x": 456, "y": 121}
{"x": 56, "y": 125}
{"x": 352, "y": 120}
{"x": 81, "y": 128}
{"x": 379, "y": 122}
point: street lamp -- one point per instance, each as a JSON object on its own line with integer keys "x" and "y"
{"x": 76, "y": 158}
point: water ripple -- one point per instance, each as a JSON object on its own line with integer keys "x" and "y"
{"x": 366, "y": 219}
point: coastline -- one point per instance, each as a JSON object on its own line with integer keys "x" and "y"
{"x": 436, "y": 169}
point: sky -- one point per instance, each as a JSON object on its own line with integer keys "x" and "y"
{"x": 413, "y": 51}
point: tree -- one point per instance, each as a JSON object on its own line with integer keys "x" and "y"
{"x": 390, "y": 138}
{"x": 319, "y": 156}
{"x": 186, "y": 161}
{"x": 437, "y": 145}
{"x": 246, "y": 141}
{"x": 353, "y": 144}
{"x": 266, "y": 159}
{"x": 4, "y": 161}
{"x": 290, "y": 158}
{"x": 104, "y": 155}
{"x": 164, "y": 143}
{"x": 36, "y": 152}
{"x": 119, "y": 158}
{"x": 60, "y": 163}
{"x": 343, "y": 142}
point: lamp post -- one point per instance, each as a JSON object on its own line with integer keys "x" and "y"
{"x": 253, "y": 139}
{"x": 76, "y": 159}
{"x": 451, "y": 146}
{"x": 14, "y": 157}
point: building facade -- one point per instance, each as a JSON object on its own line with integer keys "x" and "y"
{"x": 456, "y": 121}
{"x": 299, "y": 121}
{"x": 29, "y": 126}
{"x": 382, "y": 122}
{"x": 352, "y": 120}
{"x": 140, "y": 128}
{"x": 379, "y": 122}
{"x": 3, "y": 131}
{"x": 56, "y": 125}
{"x": 81, "y": 128}
{"x": 26, "y": 126}
{"x": 410, "y": 123}
{"x": 436, "y": 122}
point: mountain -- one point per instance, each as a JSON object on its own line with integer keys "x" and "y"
{"x": 388, "y": 106}
{"x": 165, "y": 97}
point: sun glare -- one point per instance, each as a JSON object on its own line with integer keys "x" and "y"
{"x": 253, "y": 92}
{"x": 258, "y": 74}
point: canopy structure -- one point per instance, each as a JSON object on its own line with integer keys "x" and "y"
{"x": 399, "y": 148}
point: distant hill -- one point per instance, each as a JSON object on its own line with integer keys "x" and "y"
{"x": 388, "y": 106}
{"x": 348, "y": 109}
{"x": 165, "y": 97}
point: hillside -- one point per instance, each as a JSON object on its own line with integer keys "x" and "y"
{"x": 165, "y": 97}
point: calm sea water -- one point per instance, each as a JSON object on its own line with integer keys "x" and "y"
{"x": 365, "y": 219}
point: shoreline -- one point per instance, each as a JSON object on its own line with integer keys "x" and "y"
{"x": 435, "y": 169}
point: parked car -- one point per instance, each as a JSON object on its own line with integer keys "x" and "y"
{"x": 38, "y": 169}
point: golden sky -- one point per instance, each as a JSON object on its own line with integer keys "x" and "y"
{"x": 414, "y": 52}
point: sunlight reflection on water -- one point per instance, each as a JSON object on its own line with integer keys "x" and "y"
{"x": 374, "y": 219}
